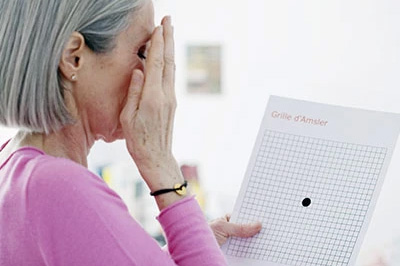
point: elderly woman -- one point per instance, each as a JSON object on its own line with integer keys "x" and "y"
{"x": 73, "y": 72}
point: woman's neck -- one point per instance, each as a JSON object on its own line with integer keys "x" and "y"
{"x": 71, "y": 142}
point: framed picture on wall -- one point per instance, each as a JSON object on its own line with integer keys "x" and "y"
{"x": 204, "y": 69}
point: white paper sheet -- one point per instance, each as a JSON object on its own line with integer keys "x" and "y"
{"x": 313, "y": 180}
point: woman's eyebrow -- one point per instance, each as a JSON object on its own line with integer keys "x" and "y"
{"x": 144, "y": 40}
{"x": 147, "y": 37}
{"x": 148, "y": 32}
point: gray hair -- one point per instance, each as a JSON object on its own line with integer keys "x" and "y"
{"x": 33, "y": 35}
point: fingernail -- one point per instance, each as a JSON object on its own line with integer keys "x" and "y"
{"x": 257, "y": 224}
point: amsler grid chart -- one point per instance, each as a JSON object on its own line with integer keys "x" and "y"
{"x": 312, "y": 196}
{"x": 313, "y": 180}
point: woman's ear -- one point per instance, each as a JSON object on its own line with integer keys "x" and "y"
{"x": 72, "y": 57}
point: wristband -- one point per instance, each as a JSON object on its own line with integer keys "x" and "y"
{"x": 179, "y": 189}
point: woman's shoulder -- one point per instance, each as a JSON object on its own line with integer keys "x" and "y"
{"x": 49, "y": 166}
{"x": 30, "y": 161}
{"x": 60, "y": 181}
{"x": 53, "y": 170}
{"x": 52, "y": 177}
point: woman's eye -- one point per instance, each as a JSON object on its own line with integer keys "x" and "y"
{"x": 141, "y": 56}
{"x": 141, "y": 53}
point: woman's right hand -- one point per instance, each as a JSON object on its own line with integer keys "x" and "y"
{"x": 148, "y": 116}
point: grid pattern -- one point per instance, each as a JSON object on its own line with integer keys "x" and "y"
{"x": 339, "y": 178}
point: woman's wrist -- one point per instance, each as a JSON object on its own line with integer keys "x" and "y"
{"x": 163, "y": 175}
{"x": 165, "y": 200}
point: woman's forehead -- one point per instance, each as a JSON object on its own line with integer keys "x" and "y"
{"x": 143, "y": 21}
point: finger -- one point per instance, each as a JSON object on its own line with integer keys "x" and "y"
{"x": 169, "y": 57}
{"x": 227, "y": 217}
{"x": 155, "y": 60}
{"x": 134, "y": 94}
{"x": 243, "y": 230}
{"x": 164, "y": 19}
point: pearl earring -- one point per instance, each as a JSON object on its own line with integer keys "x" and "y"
{"x": 73, "y": 77}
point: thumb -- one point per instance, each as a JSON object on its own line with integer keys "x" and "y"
{"x": 135, "y": 91}
{"x": 243, "y": 230}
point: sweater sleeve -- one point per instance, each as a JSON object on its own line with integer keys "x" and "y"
{"x": 76, "y": 219}
{"x": 190, "y": 239}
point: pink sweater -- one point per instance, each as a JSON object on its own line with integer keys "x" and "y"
{"x": 55, "y": 212}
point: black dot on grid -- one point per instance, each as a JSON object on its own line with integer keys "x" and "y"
{"x": 306, "y": 202}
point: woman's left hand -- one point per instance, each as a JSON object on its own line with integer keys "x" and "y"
{"x": 223, "y": 229}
